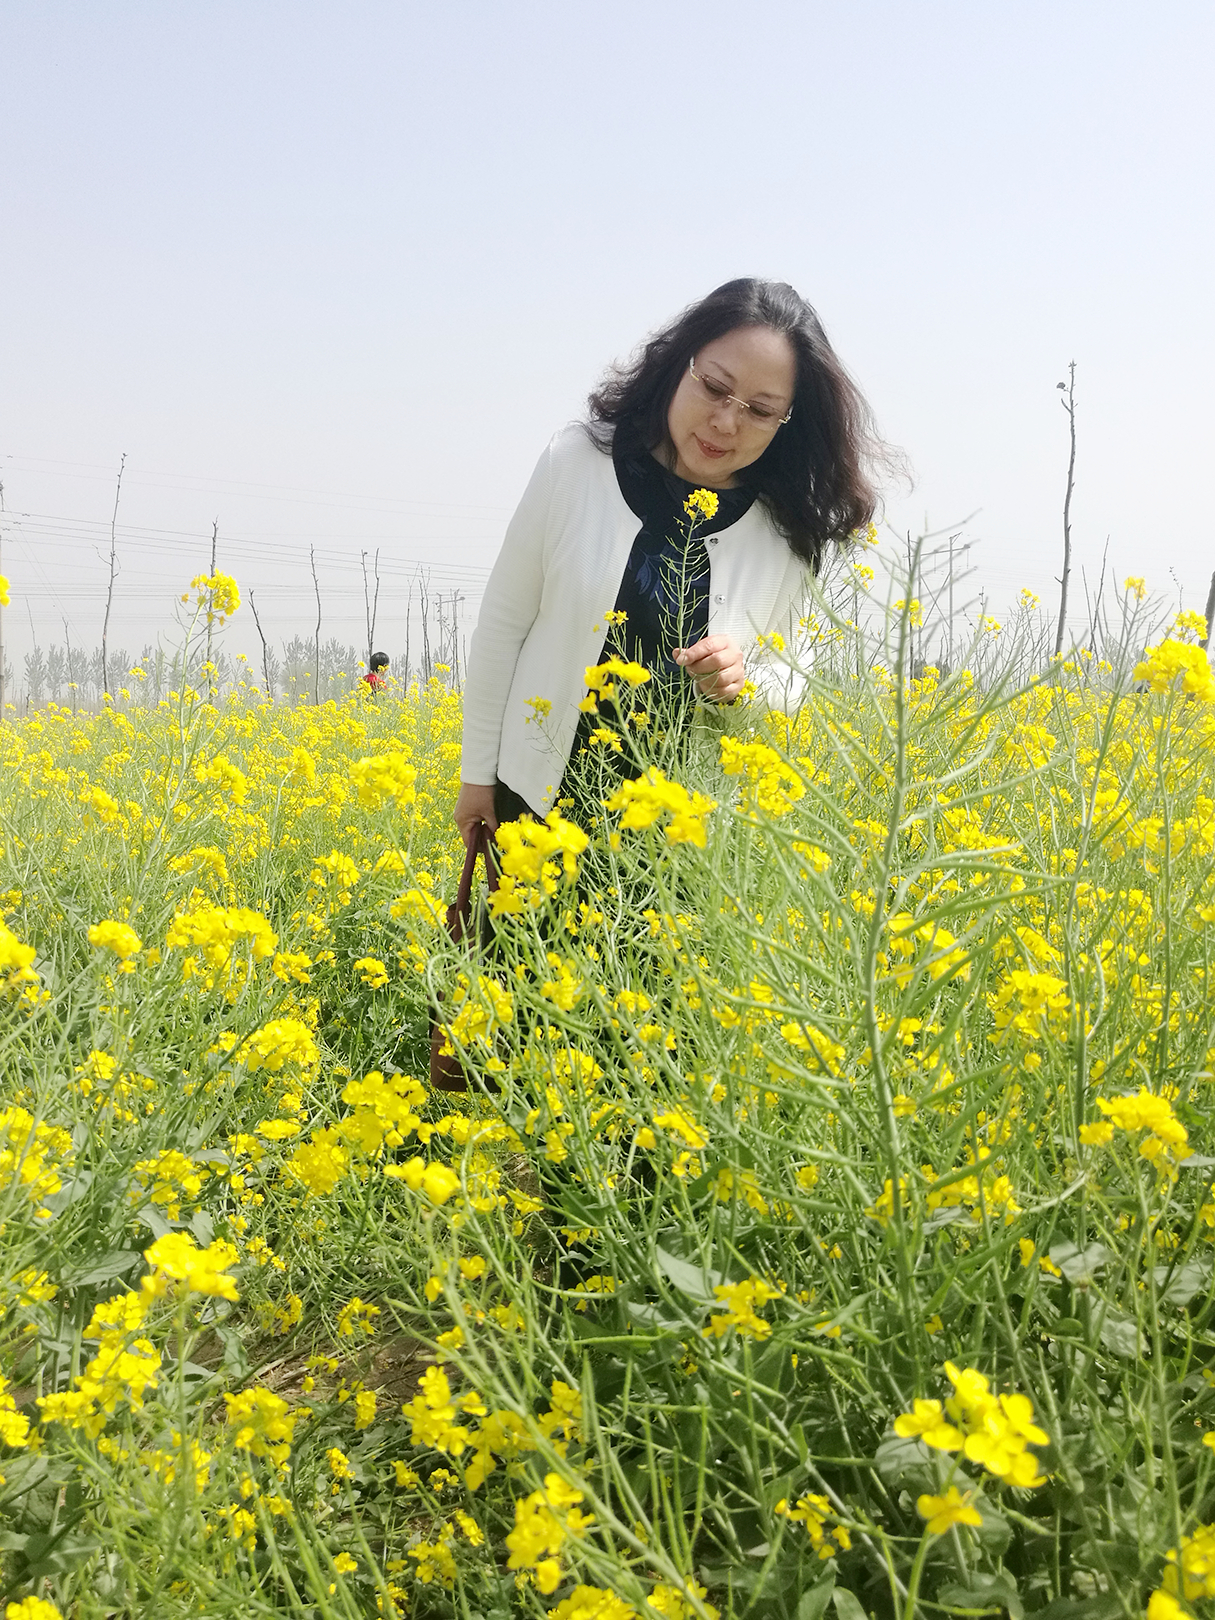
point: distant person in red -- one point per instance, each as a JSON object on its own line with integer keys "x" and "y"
{"x": 375, "y": 677}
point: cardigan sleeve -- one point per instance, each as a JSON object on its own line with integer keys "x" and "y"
{"x": 508, "y": 611}
{"x": 772, "y": 662}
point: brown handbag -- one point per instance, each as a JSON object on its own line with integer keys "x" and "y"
{"x": 446, "y": 1070}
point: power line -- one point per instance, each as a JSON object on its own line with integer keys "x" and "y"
{"x": 193, "y": 483}
{"x": 71, "y": 533}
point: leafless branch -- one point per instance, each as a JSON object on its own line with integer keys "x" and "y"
{"x": 109, "y": 595}
{"x": 265, "y": 650}
{"x": 1206, "y": 640}
{"x": 316, "y": 660}
{"x": 210, "y": 669}
{"x": 371, "y": 604}
{"x": 1068, "y": 389}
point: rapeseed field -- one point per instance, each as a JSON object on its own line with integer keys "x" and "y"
{"x": 828, "y": 1225}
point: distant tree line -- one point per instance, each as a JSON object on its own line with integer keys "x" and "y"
{"x": 75, "y": 677}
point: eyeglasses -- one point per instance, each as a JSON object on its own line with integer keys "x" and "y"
{"x": 716, "y": 393}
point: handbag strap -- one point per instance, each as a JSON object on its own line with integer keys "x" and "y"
{"x": 459, "y": 915}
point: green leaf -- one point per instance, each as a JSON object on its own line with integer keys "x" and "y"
{"x": 1069, "y": 1327}
{"x": 995, "y": 1533}
{"x": 1080, "y": 1265}
{"x": 847, "y": 1605}
{"x": 981, "y": 1591}
{"x": 1180, "y": 1286}
{"x": 116, "y": 1263}
{"x": 1110, "y": 1606}
{"x": 798, "y": 1435}
{"x": 236, "y": 1360}
{"x": 694, "y": 1281}
{"x": 22, "y": 1474}
{"x": 155, "y": 1222}
{"x": 812, "y": 1604}
{"x": 1120, "y": 1333}
{"x": 69, "y": 1192}
{"x": 57, "y": 1554}
{"x": 895, "y": 1458}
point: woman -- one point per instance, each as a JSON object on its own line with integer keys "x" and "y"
{"x": 742, "y": 395}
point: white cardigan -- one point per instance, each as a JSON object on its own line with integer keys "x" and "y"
{"x": 542, "y": 616}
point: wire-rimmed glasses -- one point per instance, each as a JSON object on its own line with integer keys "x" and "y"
{"x": 716, "y": 393}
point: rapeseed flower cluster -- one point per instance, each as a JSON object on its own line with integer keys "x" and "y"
{"x": 281, "y": 1042}
{"x": 217, "y": 594}
{"x": 596, "y": 1603}
{"x": 18, "y": 976}
{"x": 1189, "y": 1575}
{"x": 770, "y": 786}
{"x": 263, "y": 1424}
{"x": 544, "y": 1521}
{"x": 177, "y": 1259}
{"x": 216, "y": 931}
{"x": 827, "y": 1536}
{"x": 994, "y": 1431}
{"x": 535, "y": 855}
{"x": 701, "y": 503}
{"x": 741, "y": 1301}
{"x": 29, "y": 1608}
{"x": 602, "y": 681}
{"x": 651, "y": 798}
{"x": 118, "y": 937}
{"x": 1178, "y": 666}
{"x": 31, "y": 1156}
{"x": 125, "y": 1367}
{"x": 385, "y": 776}
{"x": 1166, "y": 1142}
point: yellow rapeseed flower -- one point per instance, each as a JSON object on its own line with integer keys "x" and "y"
{"x": 942, "y": 1512}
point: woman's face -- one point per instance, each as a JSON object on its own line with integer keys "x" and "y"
{"x": 713, "y": 438}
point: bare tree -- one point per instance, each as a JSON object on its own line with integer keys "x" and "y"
{"x": 1068, "y": 389}
{"x": 456, "y": 598}
{"x": 265, "y": 650}
{"x": 109, "y": 596}
{"x": 1095, "y": 621}
{"x": 210, "y": 669}
{"x": 316, "y": 662}
{"x": 1, "y": 617}
{"x": 424, "y": 602}
{"x": 408, "y": 623}
{"x": 1206, "y": 640}
{"x": 71, "y": 674}
{"x": 371, "y": 605}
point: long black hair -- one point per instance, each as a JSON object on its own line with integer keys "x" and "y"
{"x": 815, "y": 477}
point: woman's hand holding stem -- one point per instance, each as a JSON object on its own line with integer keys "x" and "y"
{"x": 715, "y": 663}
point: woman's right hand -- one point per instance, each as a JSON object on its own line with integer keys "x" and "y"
{"x": 475, "y": 803}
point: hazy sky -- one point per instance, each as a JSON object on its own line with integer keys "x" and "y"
{"x": 334, "y": 273}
